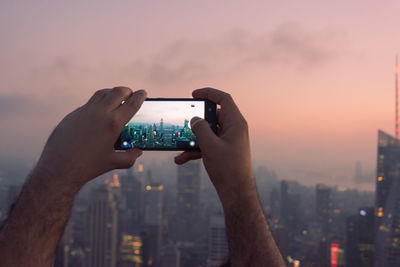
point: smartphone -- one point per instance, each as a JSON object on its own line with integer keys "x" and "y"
{"x": 164, "y": 124}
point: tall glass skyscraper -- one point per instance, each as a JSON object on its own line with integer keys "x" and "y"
{"x": 188, "y": 201}
{"x": 153, "y": 221}
{"x": 101, "y": 230}
{"x": 387, "y": 202}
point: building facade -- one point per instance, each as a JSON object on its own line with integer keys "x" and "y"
{"x": 387, "y": 202}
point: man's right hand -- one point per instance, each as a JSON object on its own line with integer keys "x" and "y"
{"x": 226, "y": 156}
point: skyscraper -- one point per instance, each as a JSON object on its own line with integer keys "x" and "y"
{"x": 153, "y": 220}
{"x": 324, "y": 207}
{"x": 323, "y": 212}
{"x": 188, "y": 201}
{"x": 360, "y": 238}
{"x": 284, "y": 207}
{"x": 130, "y": 251}
{"x": 132, "y": 192}
{"x": 101, "y": 230}
{"x": 64, "y": 246}
{"x": 387, "y": 202}
{"x": 217, "y": 242}
{"x": 281, "y": 226}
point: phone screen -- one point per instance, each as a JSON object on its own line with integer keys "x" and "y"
{"x": 162, "y": 125}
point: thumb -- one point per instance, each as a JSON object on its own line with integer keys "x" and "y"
{"x": 202, "y": 130}
{"x": 125, "y": 159}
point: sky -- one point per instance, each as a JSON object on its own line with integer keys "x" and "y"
{"x": 315, "y": 80}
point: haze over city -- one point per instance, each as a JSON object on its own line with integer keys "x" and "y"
{"x": 314, "y": 80}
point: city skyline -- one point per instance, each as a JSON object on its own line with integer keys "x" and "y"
{"x": 151, "y": 135}
{"x": 171, "y": 112}
{"x": 159, "y": 214}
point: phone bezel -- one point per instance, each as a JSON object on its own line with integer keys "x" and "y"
{"x": 210, "y": 115}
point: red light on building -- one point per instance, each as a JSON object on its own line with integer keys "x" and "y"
{"x": 334, "y": 254}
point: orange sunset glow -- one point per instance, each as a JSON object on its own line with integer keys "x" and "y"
{"x": 314, "y": 80}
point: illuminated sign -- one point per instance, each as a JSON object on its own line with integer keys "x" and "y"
{"x": 334, "y": 254}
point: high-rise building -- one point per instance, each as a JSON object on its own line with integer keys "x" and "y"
{"x": 153, "y": 221}
{"x": 274, "y": 204}
{"x": 360, "y": 238}
{"x": 324, "y": 206}
{"x": 284, "y": 203}
{"x": 188, "y": 201}
{"x": 323, "y": 210}
{"x": 358, "y": 173}
{"x": 170, "y": 256}
{"x": 281, "y": 225}
{"x": 101, "y": 229}
{"x": 132, "y": 214}
{"x": 217, "y": 242}
{"x": 130, "y": 251}
{"x": 387, "y": 202}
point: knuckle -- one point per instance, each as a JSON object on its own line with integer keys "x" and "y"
{"x": 99, "y": 92}
{"x": 228, "y": 96}
{"x": 122, "y": 90}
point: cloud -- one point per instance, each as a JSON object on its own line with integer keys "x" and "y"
{"x": 289, "y": 46}
{"x": 18, "y": 104}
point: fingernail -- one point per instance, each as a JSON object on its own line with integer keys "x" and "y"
{"x": 142, "y": 92}
{"x": 194, "y": 121}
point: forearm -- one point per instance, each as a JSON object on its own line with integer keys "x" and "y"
{"x": 34, "y": 227}
{"x": 249, "y": 238}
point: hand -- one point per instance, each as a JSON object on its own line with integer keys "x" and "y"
{"x": 226, "y": 156}
{"x": 81, "y": 147}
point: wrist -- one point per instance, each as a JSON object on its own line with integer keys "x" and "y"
{"x": 48, "y": 179}
{"x": 240, "y": 191}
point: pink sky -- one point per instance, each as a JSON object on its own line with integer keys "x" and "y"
{"x": 314, "y": 79}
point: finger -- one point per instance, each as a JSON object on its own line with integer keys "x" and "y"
{"x": 114, "y": 97}
{"x": 219, "y": 130}
{"x": 219, "y": 118}
{"x": 98, "y": 95}
{"x": 125, "y": 159}
{"x": 217, "y": 96}
{"x": 187, "y": 156}
{"x": 131, "y": 105}
{"x": 204, "y": 134}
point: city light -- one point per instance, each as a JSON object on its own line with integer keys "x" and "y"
{"x": 140, "y": 168}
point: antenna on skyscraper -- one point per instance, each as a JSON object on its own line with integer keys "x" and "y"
{"x": 397, "y": 97}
